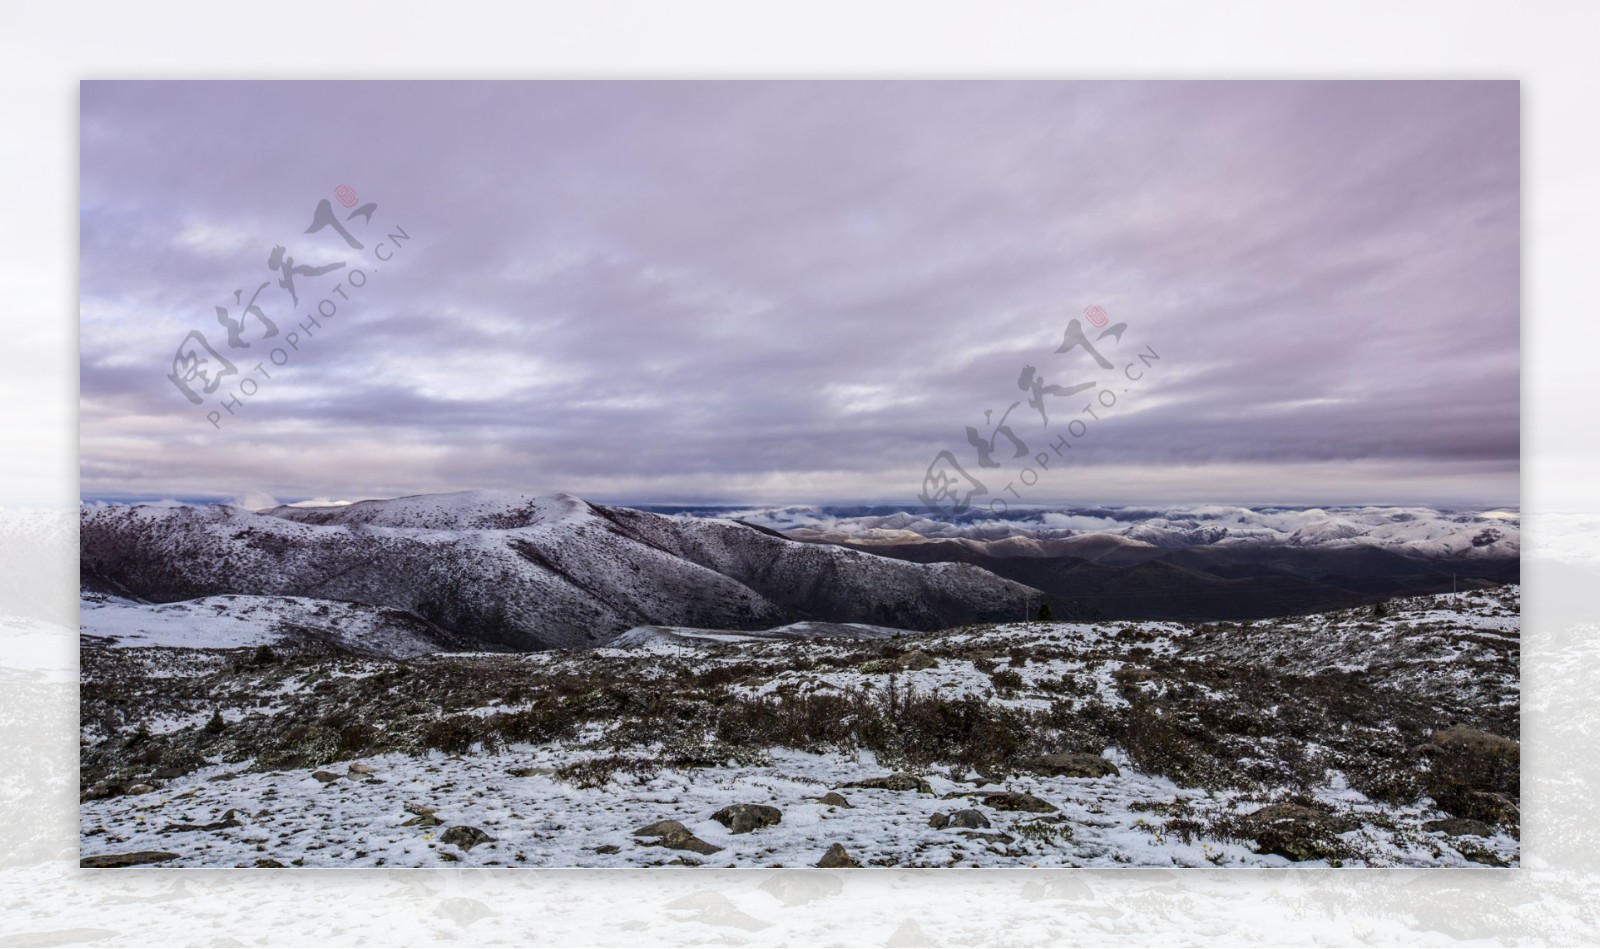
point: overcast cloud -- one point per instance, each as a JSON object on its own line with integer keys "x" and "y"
{"x": 800, "y": 292}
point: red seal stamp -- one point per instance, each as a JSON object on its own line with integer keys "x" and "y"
{"x": 346, "y": 195}
{"x": 1096, "y": 314}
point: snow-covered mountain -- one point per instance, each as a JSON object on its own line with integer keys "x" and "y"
{"x": 1410, "y": 531}
{"x": 1204, "y": 562}
{"x": 504, "y": 570}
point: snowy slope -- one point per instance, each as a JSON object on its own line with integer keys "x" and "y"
{"x": 522, "y": 572}
{"x": 643, "y": 637}
{"x": 230, "y": 622}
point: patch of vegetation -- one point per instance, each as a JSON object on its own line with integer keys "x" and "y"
{"x": 1234, "y": 706}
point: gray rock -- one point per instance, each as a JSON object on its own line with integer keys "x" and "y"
{"x": 899, "y": 781}
{"x": 675, "y": 836}
{"x": 837, "y": 858}
{"x": 1459, "y": 827}
{"x": 939, "y": 821}
{"x": 1494, "y": 807}
{"x": 1295, "y": 831}
{"x": 970, "y": 818}
{"x": 426, "y": 816}
{"x": 464, "y": 837}
{"x": 1018, "y": 801}
{"x": 744, "y": 818}
{"x": 134, "y": 859}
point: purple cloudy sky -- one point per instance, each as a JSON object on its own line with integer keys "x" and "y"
{"x": 800, "y": 292}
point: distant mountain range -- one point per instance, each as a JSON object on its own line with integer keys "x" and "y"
{"x": 499, "y": 570}
{"x": 484, "y": 570}
{"x": 1205, "y": 562}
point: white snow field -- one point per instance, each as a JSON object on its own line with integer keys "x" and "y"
{"x": 1316, "y": 741}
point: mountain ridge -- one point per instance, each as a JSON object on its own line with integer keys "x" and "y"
{"x": 511, "y": 570}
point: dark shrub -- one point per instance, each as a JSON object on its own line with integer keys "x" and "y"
{"x": 456, "y": 734}
{"x": 597, "y": 772}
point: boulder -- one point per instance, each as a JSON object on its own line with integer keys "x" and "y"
{"x": 837, "y": 858}
{"x": 1495, "y": 808}
{"x": 1295, "y": 831}
{"x": 1474, "y": 774}
{"x": 134, "y": 859}
{"x": 970, "y": 818}
{"x": 425, "y": 816}
{"x": 464, "y": 837}
{"x": 1459, "y": 827}
{"x": 744, "y": 818}
{"x": 1018, "y": 801}
{"x": 899, "y": 781}
{"x": 675, "y": 836}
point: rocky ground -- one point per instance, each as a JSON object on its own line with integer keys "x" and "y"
{"x": 1358, "y": 738}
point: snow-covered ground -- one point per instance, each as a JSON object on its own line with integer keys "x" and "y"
{"x": 361, "y": 820}
{"x": 231, "y": 621}
{"x": 561, "y": 757}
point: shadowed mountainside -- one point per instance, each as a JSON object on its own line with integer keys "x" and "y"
{"x": 505, "y": 570}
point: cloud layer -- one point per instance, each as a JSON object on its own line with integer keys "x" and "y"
{"x": 800, "y": 292}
